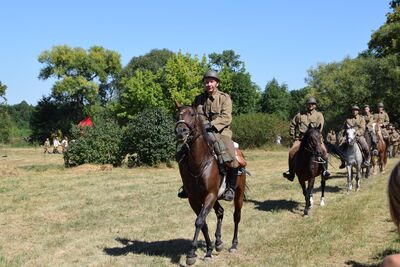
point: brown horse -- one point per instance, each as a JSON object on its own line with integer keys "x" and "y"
{"x": 308, "y": 165}
{"x": 382, "y": 147}
{"x": 202, "y": 180}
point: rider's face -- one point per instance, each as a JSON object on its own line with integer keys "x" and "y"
{"x": 355, "y": 112}
{"x": 311, "y": 106}
{"x": 210, "y": 85}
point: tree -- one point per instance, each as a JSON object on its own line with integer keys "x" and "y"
{"x": 276, "y": 99}
{"x": 139, "y": 91}
{"x": 3, "y": 89}
{"x": 182, "y": 78}
{"x": 153, "y": 61}
{"x": 236, "y": 81}
{"x": 84, "y": 77}
{"x": 386, "y": 40}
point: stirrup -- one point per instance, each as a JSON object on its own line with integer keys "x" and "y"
{"x": 229, "y": 194}
{"x": 367, "y": 163}
{"x": 326, "y": 174}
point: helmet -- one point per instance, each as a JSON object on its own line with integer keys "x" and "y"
{"x": 211, "y": 74}
{"x": 380, "y": 105}
{"x": 366, "y": 106}
{"x": 311, "y": 100}
{"x": 355, "y": 107}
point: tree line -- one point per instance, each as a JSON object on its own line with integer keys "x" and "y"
{"x": 92, "y": 82}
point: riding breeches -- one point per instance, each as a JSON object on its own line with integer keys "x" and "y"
{"x": 364, "y": 146}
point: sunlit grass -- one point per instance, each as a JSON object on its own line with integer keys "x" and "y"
{"x": 93, "y": 216}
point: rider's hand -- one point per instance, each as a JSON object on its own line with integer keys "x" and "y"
{"x": 208, "y": 127}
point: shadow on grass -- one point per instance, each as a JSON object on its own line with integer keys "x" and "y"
{"x": 330, "y": 189}
{"x": 379, "y": 257}
{"x": 275, "y": 205}
{"x": 172, "y": 249}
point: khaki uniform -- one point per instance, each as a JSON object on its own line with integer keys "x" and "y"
{"x": 394, "y": 138}
{"x": 331, "y": 138}
{"x": 369, "y": 119}
{"x": 217, "y": 110}
{"x": 383, "y": 118}
{"x": 299, "y": 125}
{"x": 357, "y": 122}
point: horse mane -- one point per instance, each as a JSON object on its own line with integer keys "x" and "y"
{"x": 310, "y": 135}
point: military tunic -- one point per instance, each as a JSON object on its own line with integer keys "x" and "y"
{"x": 215, "y": 109}
{"x": 383, "y": 118}
{"x": 357, "y": 122}
{"x": 300, "y": 123}
{"x": 331, "y": 138}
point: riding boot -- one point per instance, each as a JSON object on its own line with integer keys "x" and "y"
{"x": 182, "y": 193}
{"x": 326, "y": 174}
{"x": 290, "y": 173}
{"x": 342, "y": 164}
{"x": 374, "y": 150}
{"x": 231, "y": 178}
{"x": 366, "y": 157}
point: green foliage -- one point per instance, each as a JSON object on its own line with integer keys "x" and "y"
{"x": 182, "y": 78}
{"x": 83, "y": 77}
{"x": 149, "y": 139}
{"x": 153, "y": 61}
{"x": 276, "y": 100}
{"x": 140, "y": 90}
{"x": 51, "y": 114}
{"x": 236, "y": 82}
{"x": 21, "y": 114}
{"x": 5, "y": 125}
{"x": 100, "y": 144}
{"x": 258, "y": 129}
{"x": 386, "y": 40}
{"x": 3, "y": 89}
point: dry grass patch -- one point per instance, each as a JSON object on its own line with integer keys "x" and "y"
{"x": 101, "y": 216}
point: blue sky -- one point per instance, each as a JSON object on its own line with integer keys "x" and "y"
{"x": 275, "y": 39}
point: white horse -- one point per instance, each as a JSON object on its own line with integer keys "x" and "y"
{"x": 353, "y": 157}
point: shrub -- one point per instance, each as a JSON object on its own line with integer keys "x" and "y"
{"x": 149, "y": 139}
{"x": 258, "y": 129}
{"x": 100, "y": 144}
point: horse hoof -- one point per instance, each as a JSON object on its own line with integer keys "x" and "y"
{"x": 322, "y": 203}
{"x": 190, "y": 261}
{"x": 207, "y": 258}
{"x": 232, "y": 250}
{"x": 219, "y": 247}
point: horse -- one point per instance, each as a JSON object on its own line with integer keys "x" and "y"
{"x": 308, "y": 165}
{"x": 367, "y": 170}
{"x": 202, "y": 180}
{"x": 353, "y": 156}
{"x": 382, "y": 147}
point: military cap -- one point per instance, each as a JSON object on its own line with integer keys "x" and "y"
{"x": 353, "y": 107}
{"x": 211, "y": 74}
{"x": 366, "y": 106}
{"x": 311, "y": 100}
{"x": 380, "y": 105}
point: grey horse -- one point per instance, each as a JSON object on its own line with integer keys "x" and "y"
{"x": 352, "y": 154}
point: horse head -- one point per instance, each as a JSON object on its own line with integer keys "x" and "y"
{"x": 311, "y": 140}
{"x": 186, "y": 123}
{"x": 350, "y": 134}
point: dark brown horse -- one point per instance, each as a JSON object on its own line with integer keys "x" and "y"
{"x": 308, "y": 165}
{"x": 202, "y": 180}
{"x": 382, "y": 147}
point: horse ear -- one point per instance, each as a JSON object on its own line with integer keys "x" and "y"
{"x": 177, "y": 104}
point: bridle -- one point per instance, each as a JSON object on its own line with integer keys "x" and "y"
{"x": 193, "y": 133}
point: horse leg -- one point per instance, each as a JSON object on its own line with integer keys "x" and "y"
{"x": 349, "y": 178}
{"x": 202, "y": 212}
{"x": 303, "y": 187}
{"x": 219, "y": 211}
{"x": 310, "y": 189}
{"x": 239, "y": 197}
{"x": 323, "y": 183}
{"x": 358, "y": 176}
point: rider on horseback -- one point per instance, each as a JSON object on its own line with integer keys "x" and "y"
{"x": 369, "y": 120}
{"x": 215, "y": 109}
{"x": 356, "y": 121}
{"x": 383, "y": 118}
{"x": 298, "y": 127}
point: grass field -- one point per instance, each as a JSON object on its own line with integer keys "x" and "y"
{"x": 103, "y": 216}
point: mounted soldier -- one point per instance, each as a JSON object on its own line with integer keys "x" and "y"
{"x": 215, "y": 110}
{"x": 298, "y": 126}
{"x": 383, "y": 119}
{"x": 356, "y": 121}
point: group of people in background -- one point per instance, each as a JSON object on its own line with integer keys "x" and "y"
{"x": 57, "y": 145}
{"x": 364, "y": 122}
